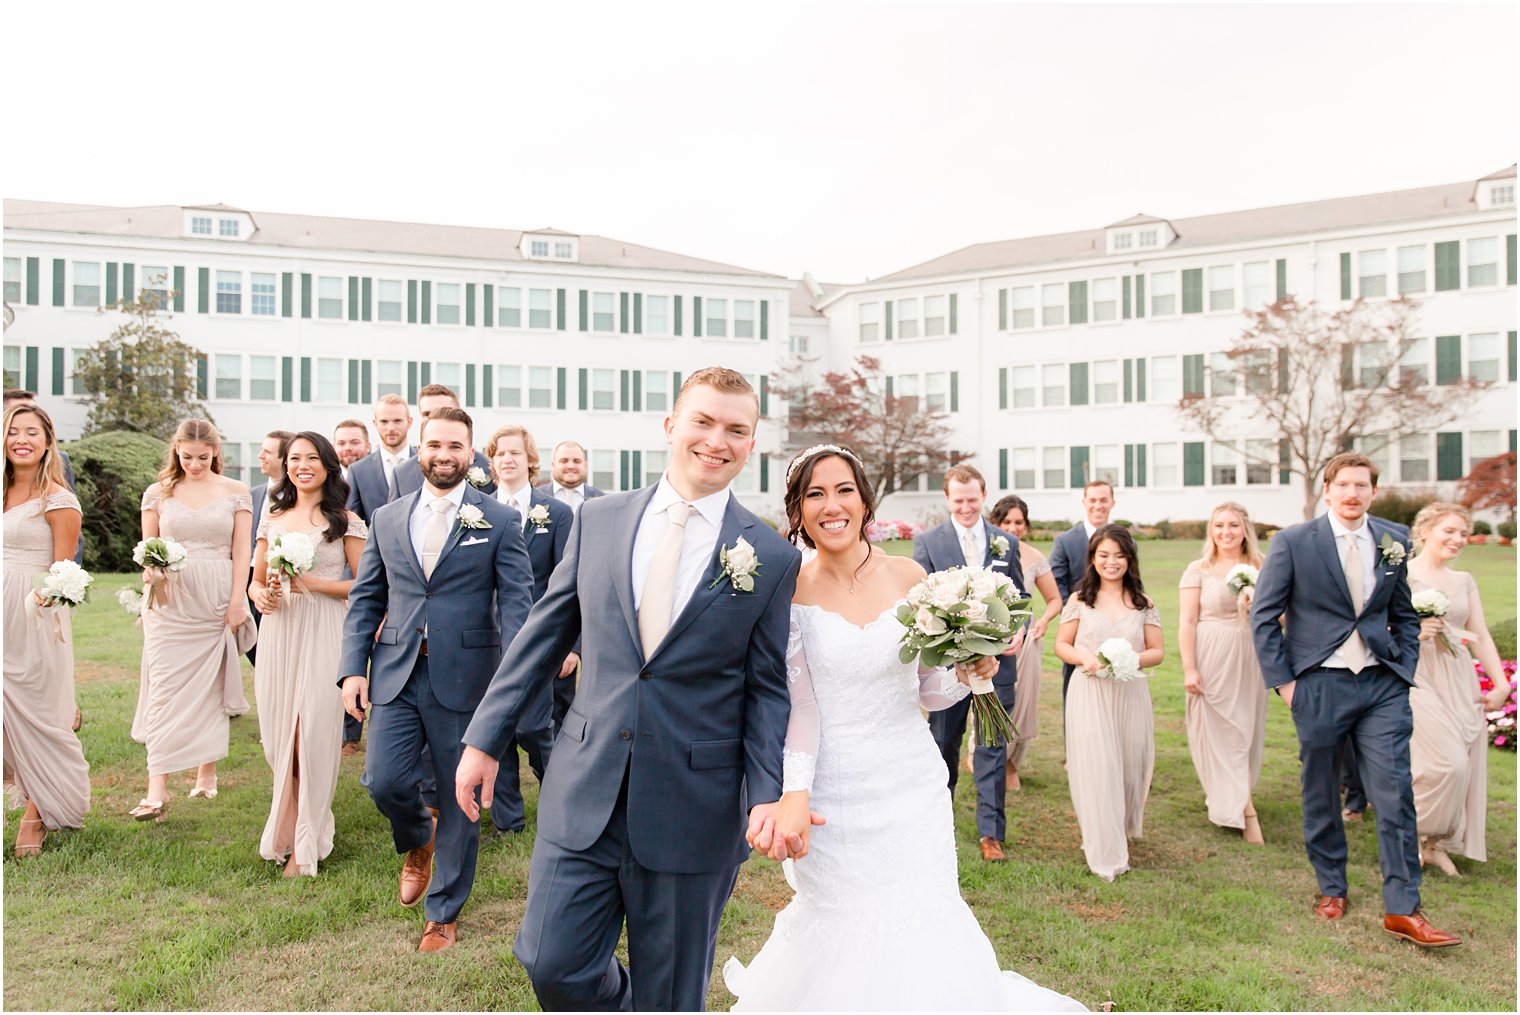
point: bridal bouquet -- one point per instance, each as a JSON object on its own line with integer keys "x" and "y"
{"x": 164, "y": 554}
{"x": 1242, "y": 577}
{"x": 291, "y": 553}
{"x": 959, "y": 616}
{"x": 1434, "y": 603}
{"x": 64, "y": 584}
{"x": 1120, "y": 660}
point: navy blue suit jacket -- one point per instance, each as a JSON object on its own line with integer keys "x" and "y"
{"x": 546, "y": 545}
{"x": 1303, "y": 578}
{"x": 939, "y": 549}
{"x": 367, "y": 491}
{"x": 1068, "y": 559}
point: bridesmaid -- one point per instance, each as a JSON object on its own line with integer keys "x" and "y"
{"x": 1226, "y": 698}
{"x": 43, "y": 760}
{"x": 1111, "y": 775}
{"x": 199, "y": 624}
{"x": 300, "y": 706}
{"x": 1448, "y": 753}
{"x": 1011, "y": 515}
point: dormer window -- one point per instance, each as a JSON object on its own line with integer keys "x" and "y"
{"x": 1123, "y": 241}
{"x": 550, "y": 245}
{"x": 220, "y": 221}
{"x": 564, "y": 251}
{"x": 1143, "y": 232}
{"x": 226, "y": 227}
{"x": 200, "y": 225}
{"x": 1147, "y": 237}
{"x": 538, "y": 248}
{"x": 1503, "y": 194}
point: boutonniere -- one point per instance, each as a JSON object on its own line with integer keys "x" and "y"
{"x": 999, "y": 546}
{"x": 470, "y": 517}
{"x": 740, "y": 566}
{"x": 1392, "y": 550}
{"x": 477, "y": 477}
{"x": 539, "y": 516}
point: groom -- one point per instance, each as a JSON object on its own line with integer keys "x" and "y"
{"x": 677, "y": 729}
{"x": 1344, "y": 668}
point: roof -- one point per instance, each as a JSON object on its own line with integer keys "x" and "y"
{"x": 1208, "y": 230}
{"x": 1138, "y": 220}
{"x": 321, "y": 232}
{"x": 1507, "y": 173}
{"x": 803, "y": 303}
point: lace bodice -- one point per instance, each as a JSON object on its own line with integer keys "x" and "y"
{"x": 330, "y": 556}
{"x": 1033, "y": 563}
{"x": 1456, "y": 614}
{"x": 28, "y": 536}
{"x": 1094, "y": 628}
{"x": 205, "y": 532}
{"x": 1215, "y": 600}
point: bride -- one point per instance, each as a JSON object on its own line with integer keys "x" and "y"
{"x": 878, "y": 921}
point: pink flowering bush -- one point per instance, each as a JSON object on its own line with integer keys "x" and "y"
{"x": 1501, "y": 724}
{"x": 882, "y": 530}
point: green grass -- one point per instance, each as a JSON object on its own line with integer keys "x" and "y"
{"x": 186, "y": 915}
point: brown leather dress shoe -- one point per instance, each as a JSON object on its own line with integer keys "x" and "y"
{"x": 417, "y": 871}
{"x": 1330, "y": 907}
{"x": 992, "y": 850}
{"x": 350, "y": 748}
{"x": 436, "y": 937}
{"x": 1416, "y": 928}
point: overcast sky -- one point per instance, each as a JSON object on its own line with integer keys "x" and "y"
{"x": 848, "y": 140}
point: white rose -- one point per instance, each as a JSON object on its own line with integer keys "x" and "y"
{"x": 477, "y": 476}
{"x": 929, "y": 622}
{"x": 976, "y": 611}
{"x": 945, "y": 594}
{"x": 741, "y": 556}
{"x": 471, "y": 517}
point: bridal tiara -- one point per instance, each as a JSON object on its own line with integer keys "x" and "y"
{"x": 818, "y": 449}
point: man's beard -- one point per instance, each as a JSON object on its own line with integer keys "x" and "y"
{"x": 439, "y": 482}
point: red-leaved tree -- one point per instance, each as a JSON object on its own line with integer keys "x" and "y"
{"x": 1490, "y": 485}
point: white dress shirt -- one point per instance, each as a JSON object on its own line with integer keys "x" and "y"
{"x": 702, "y": 531}
{"x": 522, "y": 501}
{"x": 423, "y": 511}
{"x": 571, "y": 495}
{"x": 977, "y": 538}
{"x": 1368, "y": 549}
{"x": 1089, "y": 528}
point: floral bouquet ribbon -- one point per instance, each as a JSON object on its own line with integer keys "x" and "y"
{"x": 158, "y": 554}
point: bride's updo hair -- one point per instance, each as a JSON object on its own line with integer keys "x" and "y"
{"x": 799, "y": 475}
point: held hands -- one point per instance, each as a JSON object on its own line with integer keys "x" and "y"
{"x": 1192, "y": 683}
{"x": 1430, "y": 627}
{"x": 783, "y": 829}
{"x": 477, "y": 770}
{"x": 571, "y": 662}
{"x": 985, "y": 668}
{"x": 356, "y": 696}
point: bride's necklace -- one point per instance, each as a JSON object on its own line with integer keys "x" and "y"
{"x": 864, "y": 569}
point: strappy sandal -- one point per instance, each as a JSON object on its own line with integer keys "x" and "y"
{"x": 198, "y": 791}
{"x": 23, "y": 852}
{"x": 150, "y": 810}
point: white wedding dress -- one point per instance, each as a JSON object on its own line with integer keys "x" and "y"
{"x": 878, "y": 921}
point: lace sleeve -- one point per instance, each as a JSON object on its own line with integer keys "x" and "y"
{"x": 1192, "y": 578}
{"x": 63, "y": 500}
{"x": 1037, "y": 568}
{"x": 938, "y": 689}
{"x": 800, "y": 756}
{"x": 242, "y": 502}
{"x": 1152, "y": 617}
{"x": 151, "y": 497}
{"x": 356, "y": 528}
{"x": 263, "y": 530}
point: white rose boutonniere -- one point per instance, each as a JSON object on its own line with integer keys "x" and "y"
{"x": 999, "y": 546}
{"x": 1392, "y": 551}
{"x": 470, "y": 517}
{"x": 477, "y": 477}
{"x": 539, "y": 516}
{"x": 740, "y": 566}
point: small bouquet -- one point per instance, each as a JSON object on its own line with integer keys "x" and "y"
{"x": 131, "y": 600}
{"x": 164, "y": 554}
{"x": 1242, "y": 577}
{"x": 64, "y": 584}
{"x": 1434, "y": 603}
{"x": 1120, "y": 661}
{"x": 959, "y": 616}
{"x": 291, "y": 553}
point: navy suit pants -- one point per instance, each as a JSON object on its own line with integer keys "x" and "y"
{"x": 989, "y": 765}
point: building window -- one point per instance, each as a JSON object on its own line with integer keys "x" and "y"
{"x": 1165, "y": 465}
{"x": 86, "y": 283}
{"x": 604, "y": 470}
{"x": 1254, "y": 372}
{"x": 1412, "y": 269}
{"x": 509, "y": 307}
{"x": 1222, "y": 287}
{"x": 261, "y": 302}
{"x": 744, "y": 318}
{"x": 200, "y": 225}
{"x": 1123, "y": 241}
{"x": 541, "y": 389}
{"x": 232, "y": 460}
{"x": 937, "y": 392}
{"x": 12, "y": 366}
{"x": 446, "y": 304}
{"x": 1226, "y": 470}
{"x": 657, "y": 315}
{"x": 1147, "y": 237}
{"x": 797, "y": 345}
{"x": 1105, "y": 373}
{"x": 76, "y": 382}
{"x": 1372, "y": 365}
{"x": 1021, "y": 307}
{"x": 716, "y": 312}
{"x": 1261, "y": 461}
{"x": 655, "y": 464}
{"x": 603, "y": 312}
{"x": 1483, "y": 445}
{"x": 539, "y": 313}
{"x": 387, "y": 377}
{"x": 934, "y": 316}
{"x": 1022, "y": 384}
{"x": 1165, "y": 379}
{"x": 262, "y": 385}
{"x": 1414, "y": 458}
{"x": 329, "y": 380}
{"x": 13, "y": 280}
{"x": 1372, "y": 273}
{"x": 1053, "y": 380}
{"x": 1483, "y": 261}
{"x": 1023, "y": 462}
{"x": 1377, "y": 448}
{"x": 329, "y": 297}
{"x": 508, "y": 387}
{"x": 227, "y": 227}
{"x": 870, "y": 322}
{"x": 907, "y": 318}
{"x": 1105, "y": 299}
{"x": 1502, "y": 194}
{"x": 388, "y": 300}
{"x": 1483, "y": 357}
{"x": 905, "y": 387}
{"x": 1221, "y": 375}
{"x": 563, "y": 251}
{"x": 1054, "y": 468}
{"x": 451, "y": 375}
{"x": 229, "y": 292}
{"x": 538, "y": 248}
{"x": 1256, "y": 285}
{"x": 1052, "y": 305}
{"x": 656, "y": 391}
{"x": 1105, "y": 463}
{"x": 604, "y": 389}
{"x": 1163, "y": 293}
{"x": 229, "y": 376}
{"x": 1414, "y": 363}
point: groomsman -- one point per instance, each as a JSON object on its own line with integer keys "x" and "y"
{"x": 429, "y": 400}
{"x": 351, "y": 442}
{"x": 966, "y": 540}
{"x": 1068, "y": 558}
{"x": 1344, "y": 668}
{"x": 567, "y": 467}
{"x": 546, "y": 528}
{"x": 435, "y": 564}
{"x": 273, "y": 470}
{"x": 372, "y": 480}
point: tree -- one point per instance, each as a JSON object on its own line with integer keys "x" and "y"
{"x": 1490, "y": 485}
{"x": 141, "y": 378}
{"x": 897, "y": 438}
{"x": 1313, "y": 383}
{"x": 111, "y": 471}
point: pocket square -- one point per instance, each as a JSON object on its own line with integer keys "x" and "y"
{"x": 540, "y": 532}
{"x": 999, "y": 563}
{"x": 472, "y": 542}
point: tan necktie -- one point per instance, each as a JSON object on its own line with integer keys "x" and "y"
{"x": 391, "y": 493}
{"x": 969, "y": 550}
{"x": 1355, "y": 651}
{"x": 660, "y": 585}
{"x": 436, "y": 534}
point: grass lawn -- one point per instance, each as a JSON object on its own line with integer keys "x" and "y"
{"x": 186, "y": 915}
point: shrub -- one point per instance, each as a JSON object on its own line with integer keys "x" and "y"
{"x": 1507, "y": 530}
{"x": 1504, "y": 637}
{"x": 1501, "y": 722}
{"x": 883, "y": 530}
{"x": 1482, "y": 528}
{"x": 111, "y": 471}
{"x": 1189, "y": 528}
{"x": 1401, "y": 505}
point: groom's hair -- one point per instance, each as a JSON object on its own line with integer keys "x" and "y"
{"x": 730, "y": 382}
{"x": 1350, "y": 460}
{"x": 452, "y": 412}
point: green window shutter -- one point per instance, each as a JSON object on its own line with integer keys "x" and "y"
{"x": 179, "y": 289}
{"x": 202, "y": 375}
{"x": 678, "y": 314}
{"x": 1512, "y": 442}
{"x": 353, "y": 297}
{"x": 623, "y": 464}
{"x": 585, "y": 390}
{"x": 33, "y": 271}
{"x": 696, "y": 316}
{"x": 287, "y": 379}
{"x": 1077, "y": 295}
{"x": 366, "y": 294}
{"x": 1449, "y": 456}
{"x": 366, "y": 375}
{"x": 1140, "y": 298}
{"x": 110, "y": 282}
{"x": 624, "y": 317}
{"x": 559, "y": 305}
{"x": 765, "y": 312}
{"x": 559, "y": 386}
{"x": 306, "y": 378}
{"x": 1078, "y": 467}
{"x": 1192, "y": 375}
{"x": 426, "y": 303}
{"x": 1348, "y": 368}
{"x": 625, "y": 388}
{"x": 469, "y": 385}
{"x": 955, "y": 391}
{"x": 1129, "y": 385}
{"x": 1192, "y": 463}
{"x": 411, "y": 301}
{"x": 425, "y": 373}
{"x": 637, "y": 469}
{"x": 638, "y": 315}
{"x": 1002, "y": 309}
{"x": 1140, "y": 470}
{"x": 1448, "y": 359}
{"x": 1125, "y": 298}
{"x": 1448, "y": 266}
{"x": 1346, "y": 276}
{"x": 890, "y": 392}
{"x": 353, "y": 381}
{"x": 1512, "y": 356}
{"x": 411, "y": 381}
{"x": 1284, "y": 463}
{"x": 57, "y": 370}
{"x": 1282, "y": 278}
{"x": 1002, "y": 387}
{"x": 886, "y": 317}
{"x": 1192, "y": 290}
{"x": 1509, "y": 259}
{"x": 488, "y": 308}
{"x": 487, "y": 385}
{"x": 31, "y": 368}
{"x": 287, "y": 287}
{"x": 58, "y": 269}
{"x": 305, "y": 294}
{"x": 638, "y": 391}
{"x": 1078, "y": 393}
{"x": 203, "y": 290}
{"x": 675, "y": 383}
{"x": 765, "y": 473}
{"x": 585, "y": 306}
{"x": 1002, "y": 468}
{"x": 765, "y": 395}
{"x": 1129, "y": 465}
{"x": 469, "y": 304}
{"x": 955, "y": 312}
{"x": 1139, "y": 380}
